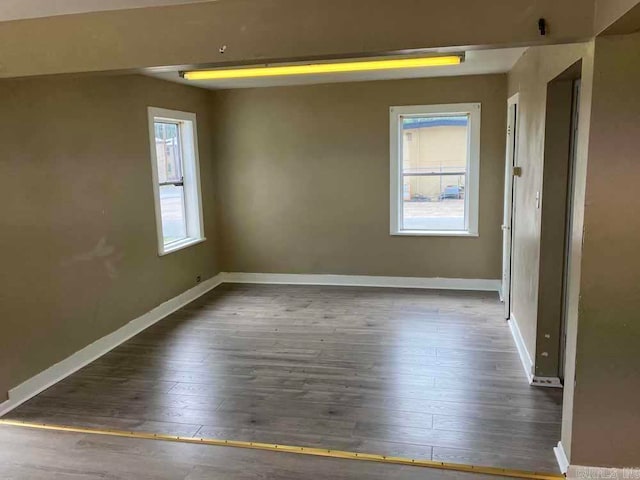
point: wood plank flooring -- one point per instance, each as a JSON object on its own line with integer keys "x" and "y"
{"x": 413, "y": 373}
{"x": 44, "y": 455}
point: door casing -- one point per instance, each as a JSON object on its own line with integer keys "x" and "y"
{"x": 511, "y": 161}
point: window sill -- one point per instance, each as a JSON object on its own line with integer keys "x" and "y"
{"x": 434, "y": 233}
{"x": 174, "y": 247}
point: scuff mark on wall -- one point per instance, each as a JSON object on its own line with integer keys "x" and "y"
{"x": 101, "y": 252}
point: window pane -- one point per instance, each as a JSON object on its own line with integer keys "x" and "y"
{"x": 168, "y": 151}
{"x": 433, "y": 203}
{"x": 174, "y": 224}
{"x": 434, "y": 168}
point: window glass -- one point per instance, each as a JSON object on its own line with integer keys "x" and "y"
{"x": 434, "y": 171}
{"x": 174, "y": 225}
{"x": 170, "y": 181}
{"x": 169, "y": 152}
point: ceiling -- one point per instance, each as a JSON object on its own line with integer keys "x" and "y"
{"x": 20, "y": 9}
{"x": 477, "y": 62}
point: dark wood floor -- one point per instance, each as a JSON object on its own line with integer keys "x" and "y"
{"x": 43, "y": 455}
{"x": 413, "y": 373}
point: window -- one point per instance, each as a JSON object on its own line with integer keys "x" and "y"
{"x": 176, "y": 179}
{"x": 435, "y": 162}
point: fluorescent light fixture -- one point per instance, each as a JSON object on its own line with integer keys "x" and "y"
{"x": 316, "y": 68}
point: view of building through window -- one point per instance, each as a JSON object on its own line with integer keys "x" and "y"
{"x": 171, "y": 181}
{"x": 434, "y": 170}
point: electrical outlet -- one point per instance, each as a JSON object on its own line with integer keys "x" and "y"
{"x": 198, "y": 278}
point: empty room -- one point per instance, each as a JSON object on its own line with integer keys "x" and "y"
{"x": 316, "y": 239}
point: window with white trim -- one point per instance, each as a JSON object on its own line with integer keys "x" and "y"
{"x": 176, "y": 179}
{"x": 435, "y": 169}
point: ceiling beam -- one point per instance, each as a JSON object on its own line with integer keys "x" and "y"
{"x": 260, "y": 30}
{"x": 21, "y": 9}
{"x": 616, "y": 17}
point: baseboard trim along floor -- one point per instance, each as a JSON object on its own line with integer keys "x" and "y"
{"x": 525, "y": 358}
{"x": 366, "y": 457}
{"x": 435, "y": 283}
{"x": 561, "y": 456}
{"x": 547, "y": 382}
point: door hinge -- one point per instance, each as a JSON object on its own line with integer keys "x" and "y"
{"x": 517, "y": 171}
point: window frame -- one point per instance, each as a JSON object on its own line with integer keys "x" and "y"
{"x": 472, "y": 180}
{"x": 188, "y": 135}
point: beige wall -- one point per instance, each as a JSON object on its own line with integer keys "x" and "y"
{"x": 21, "y": 9}
{"x": 606, "y": 424}
{"x": 256, "y": 30}
{"x": 78, "y": 226}
{"x": 608, "y": 12}
{"x": 600, "y": 421}
{"x": 304, "y": 183}
{"x": 529, "y": 78}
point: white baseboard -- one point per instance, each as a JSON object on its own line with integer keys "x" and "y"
{"x": 547, "y": 382}
{"x": 364, "y": 281}
{"x": 88, "y": 354}
{"x": 527, "y": 362}
{"x": 561, "y": 457}
{"x": 525, "y": 358}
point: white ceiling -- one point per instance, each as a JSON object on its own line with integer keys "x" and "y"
{"x": 20, "y": 9}
{"x": 477, "y": 62}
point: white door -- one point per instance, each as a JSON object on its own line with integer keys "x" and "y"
{"x": 510, "y": 163}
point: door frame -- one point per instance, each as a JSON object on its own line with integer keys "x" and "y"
{"x": 511, "y": 161}
{"x": 575, "y": 116}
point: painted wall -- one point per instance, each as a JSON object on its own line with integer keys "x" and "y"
{"x": 606, "y": 423}
{"x": 78, "y": 225}
{"x": 529, "y": 78}
{"x": 258, "y": 30}
{"x": 304, "y": 184}
{"x": 20, "y": 9}
{"x": 608, "y": 12}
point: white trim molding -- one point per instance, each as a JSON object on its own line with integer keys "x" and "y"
{"x": 52, "y": 375}
{"x": 561, "y": 457}
{"x": 472, "y": 170}
{"x": 189, "y": 159}
{"x": 525, "y": 358}
{"x": 488, "y": 285}
{"x": 547, "y": 382}
{"x": 527, "y": 362}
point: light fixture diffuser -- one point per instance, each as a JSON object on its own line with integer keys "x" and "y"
{"x": 319, "y": 68}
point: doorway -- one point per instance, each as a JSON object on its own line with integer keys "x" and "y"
{"x": 554, "y": 201}
{"x": 556, "y": 211}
